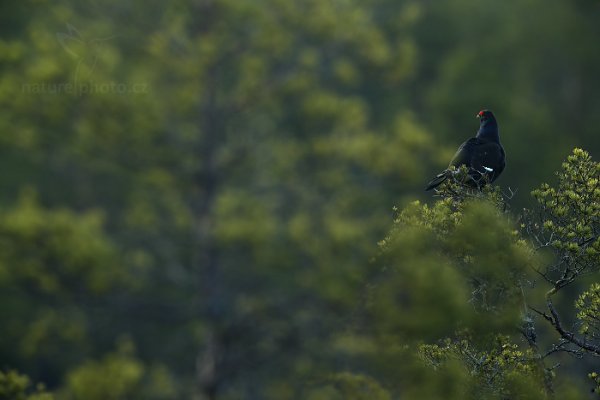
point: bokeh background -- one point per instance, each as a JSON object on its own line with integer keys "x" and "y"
{"x": 192, "y": 192}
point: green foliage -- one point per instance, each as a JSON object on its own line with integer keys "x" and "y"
{"x": 480, "y": 260}
{"x": 118, "y": 375}
{"x": 566, "y": 222}
{"x": 492, "y": 369}
{"x": 480, "y": 263}
{"x": 350, "y": 386}
{"x": 209, "y": 179}
{"x": 33, "y": 239}
{"x": 14, "y": 386}
{"x": 112, "y": 378}
{"x": 596, "y": 378}
{"x": 53, "y": 265}
{"x": 494, "y": 263}
{"x": 406, "y": 284}
{"x": 588, "y": 306}
{"x": 570, "y": 225}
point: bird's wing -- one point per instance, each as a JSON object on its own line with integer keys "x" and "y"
{"x": 462, "y": 157}
{"x": 464, "y": 154}
{"x": 483, "y": 156}
{"x": 488, "y": 158}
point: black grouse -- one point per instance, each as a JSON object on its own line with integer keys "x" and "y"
{"x": 483, "y": 155}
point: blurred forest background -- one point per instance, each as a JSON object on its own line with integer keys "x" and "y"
{"x": 192, "y": 192}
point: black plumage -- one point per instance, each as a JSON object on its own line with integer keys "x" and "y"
{"x": 483, "y": 155}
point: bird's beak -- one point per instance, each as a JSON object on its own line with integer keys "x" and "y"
{"x": 477, "y": 116}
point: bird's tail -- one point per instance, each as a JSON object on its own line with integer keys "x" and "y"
{"x": 435, "y": 182}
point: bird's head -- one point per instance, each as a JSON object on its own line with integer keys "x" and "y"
{"x": 485, "y": 115}
{"x": 488, "y": 127}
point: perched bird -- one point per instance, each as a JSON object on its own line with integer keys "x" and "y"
{"x": 483, "y": 155}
